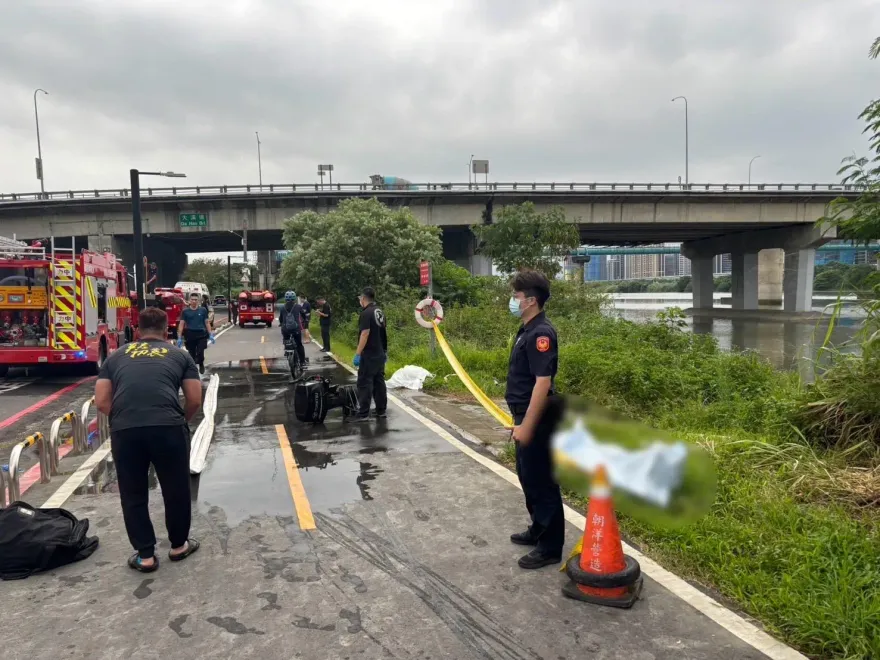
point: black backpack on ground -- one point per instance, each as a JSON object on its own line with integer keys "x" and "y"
{"x": 34, "y": 540}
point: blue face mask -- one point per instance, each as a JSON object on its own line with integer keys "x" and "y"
{"x": 513, "y": 306}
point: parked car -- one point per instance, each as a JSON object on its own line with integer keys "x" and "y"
{"x": 219, "y": 301}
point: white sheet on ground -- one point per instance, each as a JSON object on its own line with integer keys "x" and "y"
{"x": 410, "y": 377}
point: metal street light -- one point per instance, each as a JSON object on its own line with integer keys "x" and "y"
{"x": 39, "y": 147}
{"x": 750, "y": 170}
{"x": 687, "y": 178}
{"x": 470, "y": 167}
{"x": 259, "y": 160}
{"x": 137, "y": 226}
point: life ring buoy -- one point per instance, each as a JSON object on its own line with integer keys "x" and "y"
{"x": 436, "y": 310}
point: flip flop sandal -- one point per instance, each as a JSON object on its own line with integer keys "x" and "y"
{"x": 135, "y": 562}
{"x": 191, "y": 546}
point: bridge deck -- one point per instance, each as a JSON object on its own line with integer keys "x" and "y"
{"x": 408, "y": 558}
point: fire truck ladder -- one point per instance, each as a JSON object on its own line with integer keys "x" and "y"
{"x": 65, "y": 294}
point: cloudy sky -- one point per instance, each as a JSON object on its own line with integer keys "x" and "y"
{"x": 573, "y": 90}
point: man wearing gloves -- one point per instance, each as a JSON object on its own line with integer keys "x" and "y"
{"x": 534, "y": 360}
{"x": 370, "y": 357}
{"x": 195, "y": 330}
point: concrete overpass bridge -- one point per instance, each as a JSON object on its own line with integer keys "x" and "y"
{"x": 708, "y": 219}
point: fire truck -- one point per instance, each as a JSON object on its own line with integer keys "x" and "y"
{"x": 60, "y": 306}
{"x": 256, "y": 307}
{"x": 172, "y": 301}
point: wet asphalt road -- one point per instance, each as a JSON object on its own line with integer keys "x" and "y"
{"x": 407, "y": 556}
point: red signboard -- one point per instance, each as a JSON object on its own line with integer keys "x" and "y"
{"x": 424, "y": 273}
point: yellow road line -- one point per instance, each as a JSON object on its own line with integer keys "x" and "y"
{"x": 263, "y": 365}
{"x": 263, "y": 339}
{"x": 300, "y": 501}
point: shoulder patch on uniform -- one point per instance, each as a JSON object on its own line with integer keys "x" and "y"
{"x": 543, "y": 344}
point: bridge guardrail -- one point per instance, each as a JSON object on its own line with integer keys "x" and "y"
{"x": 15, "y": 456}
{"x": 439, "y": 188}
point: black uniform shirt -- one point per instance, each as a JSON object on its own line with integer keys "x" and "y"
{"x": 147, "y": 376}
{"x": 535, "y": 354}
{"x": 373, "y": 319}
{"x": 328, "y": 314}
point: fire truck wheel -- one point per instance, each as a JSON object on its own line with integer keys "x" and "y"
{"x": 269, "y": 324}
{"x": 3, "y": 370}
{"x": 241, "y": 324}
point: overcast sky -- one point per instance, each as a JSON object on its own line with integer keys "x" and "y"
{"x": 575, "y": 90}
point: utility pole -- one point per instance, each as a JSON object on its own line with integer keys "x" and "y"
{"x": 687, "y": 178}
{"x": 259, "y": 160}
{"x": 39, "y": 147}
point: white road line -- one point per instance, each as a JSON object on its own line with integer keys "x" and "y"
{"x": 711, "y": 608}
{"x": 75, "y": 480}
{"x": 6, "y": 386}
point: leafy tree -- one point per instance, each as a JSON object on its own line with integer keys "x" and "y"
{"x": 360, "y": 243}
{"x": 521, "y": 237}
{"x": 212, "y": 272}
{"x": 859, "y": 219}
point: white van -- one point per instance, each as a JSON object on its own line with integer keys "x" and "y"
{"x": 197, "y": 287}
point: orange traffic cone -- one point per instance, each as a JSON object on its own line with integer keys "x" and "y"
{"x": 600, "y": 573}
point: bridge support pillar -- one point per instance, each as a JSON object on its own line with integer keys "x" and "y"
{"x": 702, "y": 281}
{"x": 479, "y": 264}
{"x": 797, "y": 281}
{"x": 744, "y": 280}
{"x": 770, "y": 268}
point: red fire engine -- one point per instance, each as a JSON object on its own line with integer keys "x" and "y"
{"x": 256, "y": 307}
{"x": 60, "y": 306}
{"x": 171, "y": 300}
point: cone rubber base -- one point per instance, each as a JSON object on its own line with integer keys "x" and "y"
{"x": 626, "y": 601}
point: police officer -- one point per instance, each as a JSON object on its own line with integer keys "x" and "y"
{"x": 530, "y": 385}
{"x": 370, "y": 357}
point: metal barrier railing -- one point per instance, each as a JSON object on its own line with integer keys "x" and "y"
{"x": 442, "y": 187}
{"x": 36, "y": 438}
{"x": 81, "y": 444}
{"x": 48, "y": 448}
{"x": 53, "y": 438}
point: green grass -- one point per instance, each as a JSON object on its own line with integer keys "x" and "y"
{"x": 792, "y": 538}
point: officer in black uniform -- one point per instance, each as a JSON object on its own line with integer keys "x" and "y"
{"x": 370, "y": 357}
{"x": 534, "y": 361}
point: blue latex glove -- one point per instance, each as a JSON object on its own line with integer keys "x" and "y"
{"x": 211, "y": 339}
{"x": 357, "y": 360}
{"x": 180, "y": 342}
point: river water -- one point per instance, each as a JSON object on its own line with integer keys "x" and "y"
{"x": 785, "y": 344}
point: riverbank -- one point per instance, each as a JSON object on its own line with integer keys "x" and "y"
{"x": 790, "y": 539}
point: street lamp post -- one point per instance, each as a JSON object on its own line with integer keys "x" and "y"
{"x": 259, "y": 160}
{"x": 137, "y": 230}
{"x": 754, "y": 158}
{"x": 39, "y": 147}
{"x": 687, "y": 178}
{"x": 470, "y": 167}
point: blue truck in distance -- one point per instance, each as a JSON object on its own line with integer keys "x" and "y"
{"x": 391, "y": 183}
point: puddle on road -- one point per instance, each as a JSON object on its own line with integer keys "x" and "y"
{"x": 329, "y": 482}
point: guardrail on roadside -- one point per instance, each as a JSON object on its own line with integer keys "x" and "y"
{"x": 439, "y": 188}
{"x": 49, "y": 448}
{"x": 14, "y": 457}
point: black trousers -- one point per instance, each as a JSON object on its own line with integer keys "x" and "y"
{"x": 534, "y": 467}
{"x": 167, "y": 449}
{"x": 196, "y": 343}
{"x": 298, "y": 344}
{"x": 325, "y": 337}
{"x": 371, "y": 384}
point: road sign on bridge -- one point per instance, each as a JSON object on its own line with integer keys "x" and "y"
{"x": 193, "y": 219}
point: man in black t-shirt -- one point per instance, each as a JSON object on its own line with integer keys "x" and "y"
{"x": 325, "y": 313}
{"x": 370, "y": 357}
{"x": 137, "y": 388}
